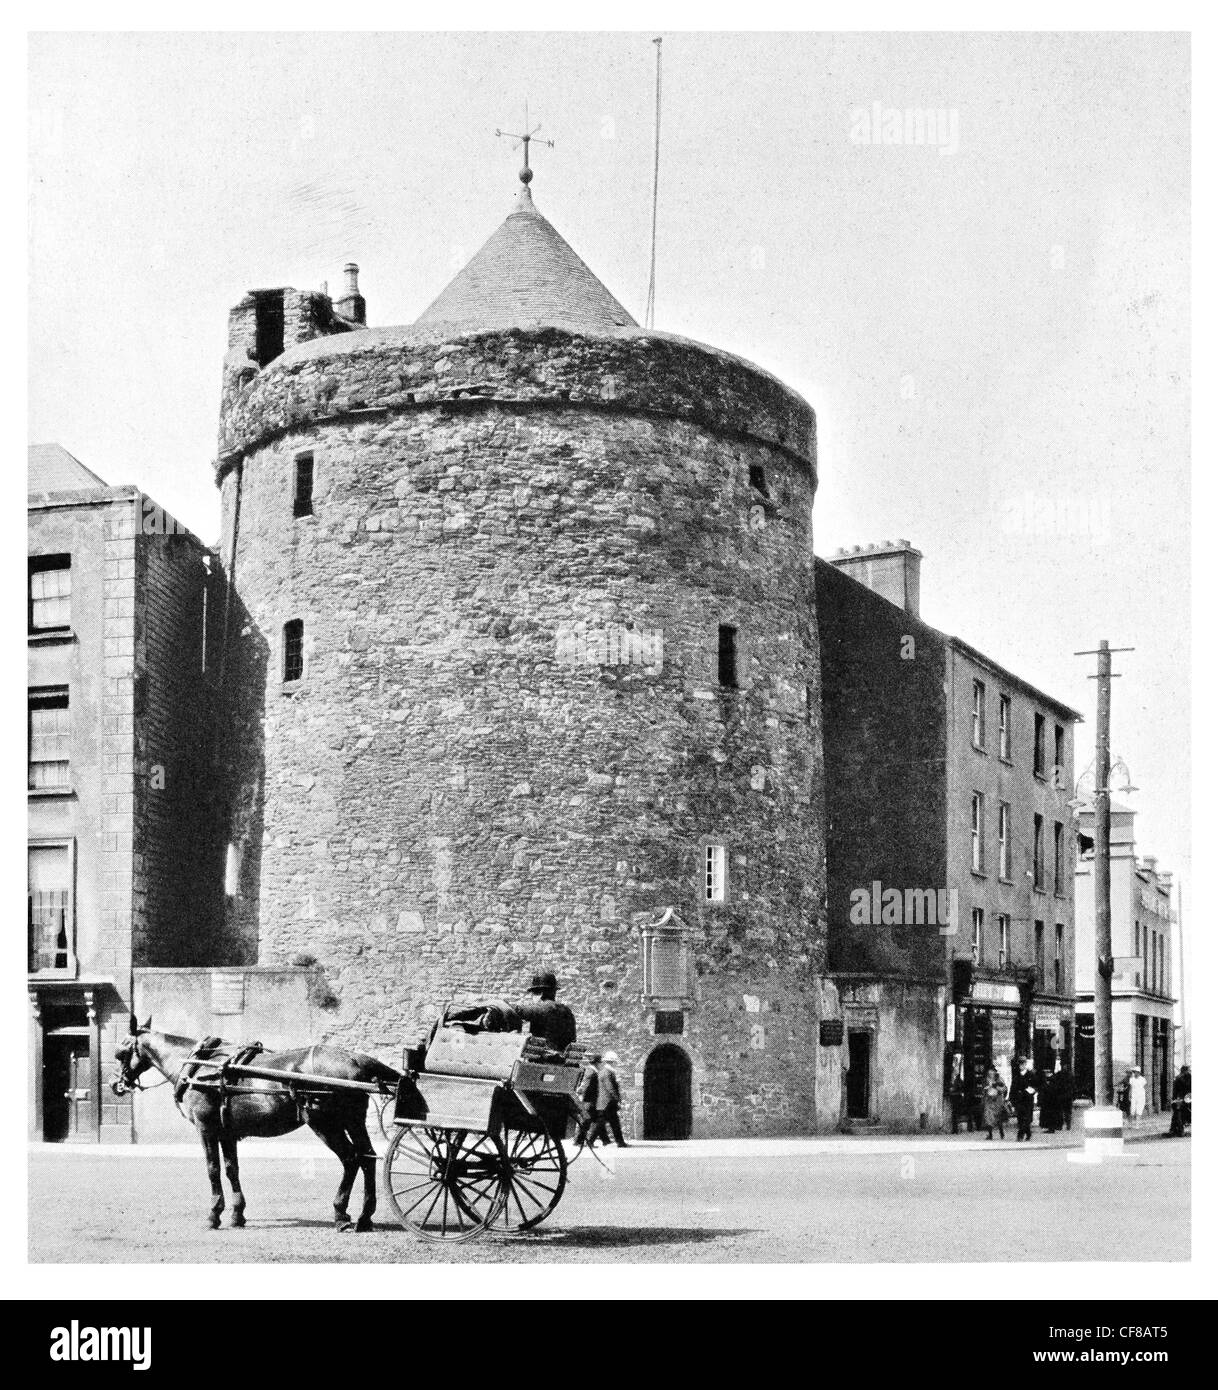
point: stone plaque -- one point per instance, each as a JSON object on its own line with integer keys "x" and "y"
{"x": 227, "y": 992}
{"x": 832, "y": 1032}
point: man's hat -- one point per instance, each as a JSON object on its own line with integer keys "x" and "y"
{"x": 609, "y": 1057}
{"x": 543, "y": 979}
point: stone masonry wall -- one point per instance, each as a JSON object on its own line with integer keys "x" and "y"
{"x": 483, "y": 771}
{"x": 390, "y": 370}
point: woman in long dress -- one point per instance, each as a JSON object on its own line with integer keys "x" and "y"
{"x": 994, "y": 1104}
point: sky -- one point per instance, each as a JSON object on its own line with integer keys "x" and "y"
{"x": 993, "y": 328}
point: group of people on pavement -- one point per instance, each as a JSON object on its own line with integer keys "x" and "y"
{"x": 998, "y": 1104}
{"x": 600, "y": 1095}
{"x": 1131, "y": 1093}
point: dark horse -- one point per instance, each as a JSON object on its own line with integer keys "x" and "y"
{"x": 251, "y": 1107}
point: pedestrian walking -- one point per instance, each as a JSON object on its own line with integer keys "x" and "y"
{"x": 994, "y": 1104}
{"x": 1137, "y": 1094}
{"x": 609, "y": 1096}
{"x": 1122, "y": 1096}
{"x": 1023, "y": 1097}
{"x": 592, "y": 1123}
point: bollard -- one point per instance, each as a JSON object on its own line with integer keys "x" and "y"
{"x": 1103, "y": 1135}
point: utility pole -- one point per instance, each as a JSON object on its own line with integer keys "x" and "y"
{"x": 1103, "y": 873}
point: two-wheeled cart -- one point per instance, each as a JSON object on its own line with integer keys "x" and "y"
{"x": 479, "y": 1119}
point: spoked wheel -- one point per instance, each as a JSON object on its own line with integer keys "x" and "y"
{"x": 446, "y": 1184}
{"x": 536, "y": 1176}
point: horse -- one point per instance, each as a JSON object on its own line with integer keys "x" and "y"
{"x": 225, "y": 1113}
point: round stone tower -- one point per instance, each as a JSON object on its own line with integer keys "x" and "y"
{"x": 521, "y": 647}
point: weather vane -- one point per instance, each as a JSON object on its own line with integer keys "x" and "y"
{"x": 526, "y": 174}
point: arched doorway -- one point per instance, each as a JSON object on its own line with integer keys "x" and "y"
{"x": 667, "y": 1094}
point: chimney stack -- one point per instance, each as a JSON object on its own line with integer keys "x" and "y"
{"x": 352, "y": 305}
{"x": 893, "y": 570}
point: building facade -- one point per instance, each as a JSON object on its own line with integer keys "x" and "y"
{"x": 1143, "y": 997}
{"x": 122, "y": 850}
{"x": 950, "y": 851}
{"x": 521, "y": 672}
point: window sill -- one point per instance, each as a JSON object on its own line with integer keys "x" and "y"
{"x": 979, "y": 873}
{"x": 1009, "y": 882}
{"x": 292, "y": 687}
{"x": 52, "y": 637}
{"x": 979, "y": 748}
{"x": 1007, "y": 762}
{"x": 39, "y": 793}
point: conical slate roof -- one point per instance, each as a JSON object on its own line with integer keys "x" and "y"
{"x": 526, "y": 274}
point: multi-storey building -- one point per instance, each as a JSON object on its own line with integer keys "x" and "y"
{"x": 122, "y": 859}
{"x": 1143, "y": 997}
{"x": 950, "y": 852}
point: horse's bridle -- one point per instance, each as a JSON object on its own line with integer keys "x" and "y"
{"x": 125, "y": 1077}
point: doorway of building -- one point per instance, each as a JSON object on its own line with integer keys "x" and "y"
{"x": 667, "y": 1094}
{"x": 858, "y": 1078}
{"x": 67, "y": 1098}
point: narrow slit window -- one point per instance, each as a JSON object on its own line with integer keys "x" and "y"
{"x": 715, "y": 885}
{"x": 1038, "y": 852}
{"x": 1038, "y": 745}
{"x": 293, "y": 649}
{"x": 978, "y": 714}
{"x": 978, "y": 930}
{"x": 757, "y": 479}
{"x": 728, "y": 675}
{"x": 302, "y": 500}
{"x": 1004, "y": 940}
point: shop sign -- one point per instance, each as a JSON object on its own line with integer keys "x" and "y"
{"x": 832, "y": 1032}
{"x": 991, "y": 992}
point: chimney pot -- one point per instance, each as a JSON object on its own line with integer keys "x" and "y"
{"x": 352, "y": 304}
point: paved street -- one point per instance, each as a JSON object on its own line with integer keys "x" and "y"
{"x": 831, "y": 1200}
